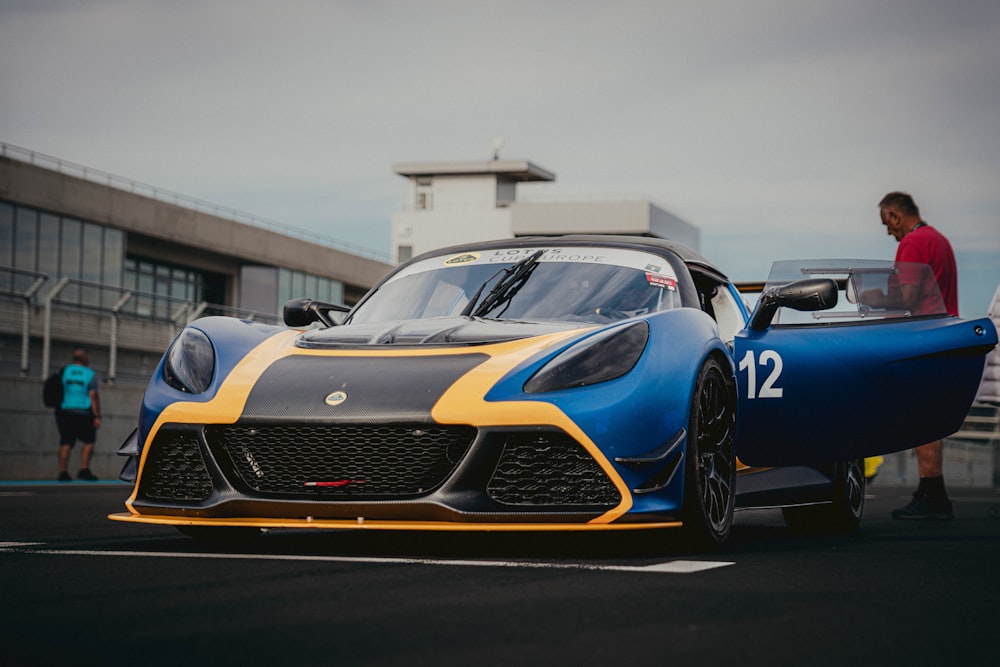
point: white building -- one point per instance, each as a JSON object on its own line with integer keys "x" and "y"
{"x": 460, "y": 202}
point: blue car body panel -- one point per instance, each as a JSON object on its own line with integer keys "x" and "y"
{"x": 826, "y": 393}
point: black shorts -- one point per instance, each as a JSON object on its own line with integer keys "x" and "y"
{"x": 75, "y": 426}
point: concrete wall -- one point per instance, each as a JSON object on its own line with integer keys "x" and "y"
{"x": 583, "y": 217}
{"x": 461, "y": 209}
{"x": 30, "y": 440}
{"x": 668, "y": 226}
{"x": 140, "y": 343}
{"x": 637, "y": 217}
{"x": 966, "y": 465}
{"x": 429, "y": 230}
{"x": 88, "y": 329}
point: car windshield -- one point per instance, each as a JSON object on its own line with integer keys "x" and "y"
{"x": 581, "y": 284}
{"x": 868, "y": 289}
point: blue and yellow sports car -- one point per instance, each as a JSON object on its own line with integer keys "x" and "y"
{"x": 559, "y": 383}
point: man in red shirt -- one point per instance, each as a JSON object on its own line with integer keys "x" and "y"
{"x": 921, "y": 243}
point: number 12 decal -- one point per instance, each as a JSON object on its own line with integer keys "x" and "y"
{"x": 767, "y": 390}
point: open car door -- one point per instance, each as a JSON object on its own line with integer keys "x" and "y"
{"x": 844, "y": 359}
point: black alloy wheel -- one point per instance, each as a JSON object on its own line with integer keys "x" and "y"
{"x": 710, "y": 458}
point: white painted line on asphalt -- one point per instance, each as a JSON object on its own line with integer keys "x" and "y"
{"x": 668, "y": 567}
{"x": 683, "y": 566}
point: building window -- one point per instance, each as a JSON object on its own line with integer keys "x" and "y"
{"x": 295, "y": 284}
{"x": 6, "y": 235}
{"x": 259, "y": 288}
{"x": 53, "y": 245}
{"x": 48, "y": 244}
{"x": 506, "y": 193}
{"x": 163, "y": 288}
{"x": 26, "y": 239}
{"x": 424, "y": 201}
{"x": 404, "y": 253}
{"x": 35, "y": 243}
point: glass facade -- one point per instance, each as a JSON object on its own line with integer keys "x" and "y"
{"x": 258, "y": 288}
{"x": 95, "y": 258}
{"x": 265, "y": 289}
{"x": 293, "y": 284}
{"x": 161, "y": 289}
{"x": 35, "y": 242}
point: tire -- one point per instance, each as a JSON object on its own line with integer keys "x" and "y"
{"x": 221, "y": 535}
{"x": 710, "y": 459}
{"x": 843, "y": 513}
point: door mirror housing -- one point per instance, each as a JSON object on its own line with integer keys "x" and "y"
{"x": 303, "y": 311}
{"x": 804, "y": 295}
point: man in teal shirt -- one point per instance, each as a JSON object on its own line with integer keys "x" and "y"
{"x": 78, "y": 416}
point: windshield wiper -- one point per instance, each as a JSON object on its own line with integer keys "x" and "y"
{"x": 504, "y": 290}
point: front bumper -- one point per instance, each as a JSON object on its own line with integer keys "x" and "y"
{"x": 392, "y": 476}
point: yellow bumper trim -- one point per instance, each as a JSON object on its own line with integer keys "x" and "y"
{"x": 364, "y": 524}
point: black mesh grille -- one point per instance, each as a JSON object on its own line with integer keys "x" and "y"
{"x": 342, "y": 462}
{"x": 550, "y": 469}
{"x": 175, "y": 468}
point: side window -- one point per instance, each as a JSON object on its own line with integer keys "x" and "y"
{"x": 719, "y": 303}
{"x": 727, "y": 314}
{"x": 867, "y": 290}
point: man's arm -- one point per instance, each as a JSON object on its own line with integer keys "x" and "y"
{"x": 902, "y": 297}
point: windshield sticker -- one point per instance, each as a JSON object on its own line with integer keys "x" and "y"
{"x": 582, "y": 255}
{"x": 633, "y": 259}
{"x": 466, "y": 258}
{"x": 660, "y": 274}
{"x": 661, "y": 281}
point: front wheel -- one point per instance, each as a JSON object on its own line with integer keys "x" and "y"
{"x": 710, "y": 458}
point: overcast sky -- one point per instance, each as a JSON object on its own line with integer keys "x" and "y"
{"x": 774, "y": 126}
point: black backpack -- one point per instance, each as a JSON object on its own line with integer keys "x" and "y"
{"x": 52, "y": 390}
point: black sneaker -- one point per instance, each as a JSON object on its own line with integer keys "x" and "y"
{"x": 86, "y": 474}
{"x": 64, "y": 477}
{"x": 925, "y": 508}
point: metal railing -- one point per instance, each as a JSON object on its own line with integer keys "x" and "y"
{"x": 38, "y": 290}
{"x": 170, "y": 197}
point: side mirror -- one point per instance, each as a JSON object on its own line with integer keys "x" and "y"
{"x": 804, "y": 295}
{"x": 303, "y": 311}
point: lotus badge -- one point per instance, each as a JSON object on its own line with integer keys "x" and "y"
{"x": 336, "y": 398}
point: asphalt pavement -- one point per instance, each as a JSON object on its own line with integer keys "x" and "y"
{"x": 79, "y": 589}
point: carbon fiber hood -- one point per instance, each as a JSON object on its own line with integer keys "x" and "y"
{"x": 439, "y": 331}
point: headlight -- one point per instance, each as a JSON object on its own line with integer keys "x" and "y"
{"x": 190, "y": 362}
{"x": 600, "y": 358}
